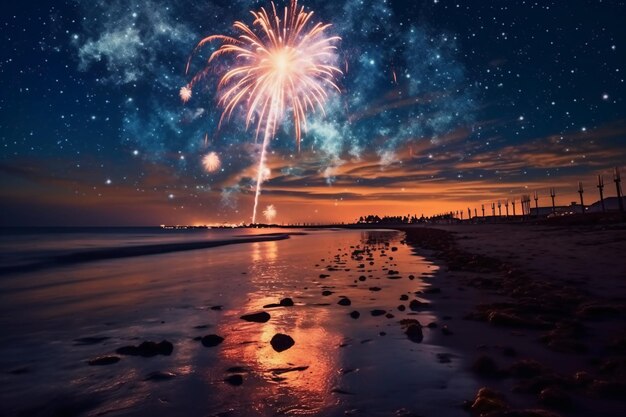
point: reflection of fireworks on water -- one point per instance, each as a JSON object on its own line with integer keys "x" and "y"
{"x": 211, "y": 162}
{"x": 282, "y": 63}
{"x": 185, "y": 94}
{"x": 270, "y": 212}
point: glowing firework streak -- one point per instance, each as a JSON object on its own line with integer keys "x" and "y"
{"x": 282, "y": 63}
{"x": 269, "y": 213}
{"x": 211, "y": 162}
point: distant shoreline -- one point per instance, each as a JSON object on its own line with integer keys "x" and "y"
{"x": 82, "y": 256}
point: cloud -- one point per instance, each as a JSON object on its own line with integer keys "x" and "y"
{"x": 387, "y": 157}
{"x": 230, "y": 196}
{"x": 598, "y": 149}
{"x": 131, "y": 40}
{"x": 120, "y": 49}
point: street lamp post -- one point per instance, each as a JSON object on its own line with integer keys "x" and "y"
{"x": 581, "y": 191}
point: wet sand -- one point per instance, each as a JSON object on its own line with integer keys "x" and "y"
{"x": 537, "y": 312}
{"x": 163, "y": 334}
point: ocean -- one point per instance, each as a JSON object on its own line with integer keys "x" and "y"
{"x": 29, "y": 246}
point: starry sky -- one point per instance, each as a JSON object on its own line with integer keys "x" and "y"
{"x": 443, "y": 105}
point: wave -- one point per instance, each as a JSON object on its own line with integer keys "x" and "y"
{"x": 91, "y": 255}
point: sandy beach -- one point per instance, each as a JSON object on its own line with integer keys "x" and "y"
{"x": 537, "y": 311}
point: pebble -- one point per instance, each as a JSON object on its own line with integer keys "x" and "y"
{"x": 211, "y": 340}
{"x": 281, "y": 342}
{"x": 261, "y": 317}
{"x": 104, "y": 360}
{"x": 286, "y": 302}
{"x": 414, "y": 333}
{"x": 148, "y": 349}
{"x": 234, "y": 380}
{"x": 344, "y": 302}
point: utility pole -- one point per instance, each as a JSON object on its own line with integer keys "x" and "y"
{"x": 526, "y": 205}
{"x": 601, "y": 188}
{"x": 499, "y": 209}
{"x": 536, "y": 204}
{"x": 617, "y": 179}
{"x": 553, "y": 194}
{"x": 493, "y": 209}
{"x": 483, "y": 210}
{"x": 513, "y": 202}
{"x": 581, "y": 191}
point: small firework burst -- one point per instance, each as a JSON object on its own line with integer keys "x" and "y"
{"x": 269, "y": 213}
{"x": 185, "y": 94}
{"x": 211, "y": 162}
{"x": 266, "y": 173}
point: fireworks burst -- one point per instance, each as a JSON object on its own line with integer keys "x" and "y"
{"x": 185, "y": 94}
{"x": 283, "y": 64}
{"x": 266, "y": 173}
{"x": 269, "y": 213}
{"x": 211, "y": 162}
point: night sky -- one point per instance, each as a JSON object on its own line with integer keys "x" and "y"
{"x": 444, "y": 105}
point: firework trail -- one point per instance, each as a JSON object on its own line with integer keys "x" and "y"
{"x": 283, "y": 63}
{"x": 269, "y": 213}
{"x": 211, "y": 162}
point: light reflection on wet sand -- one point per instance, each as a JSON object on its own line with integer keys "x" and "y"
{"x": 294, "y": 391}
{"x": 168, "y": 296}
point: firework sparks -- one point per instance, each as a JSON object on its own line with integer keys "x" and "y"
{"x": 185, "y": 94}
{"x": 211, "y": 162}
{"x": 283, "y": 64}
{"x": 269, "y": 213}
{"x": 266, "y": 173}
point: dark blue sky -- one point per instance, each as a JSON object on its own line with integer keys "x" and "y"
{"x": 491, "y": 99}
